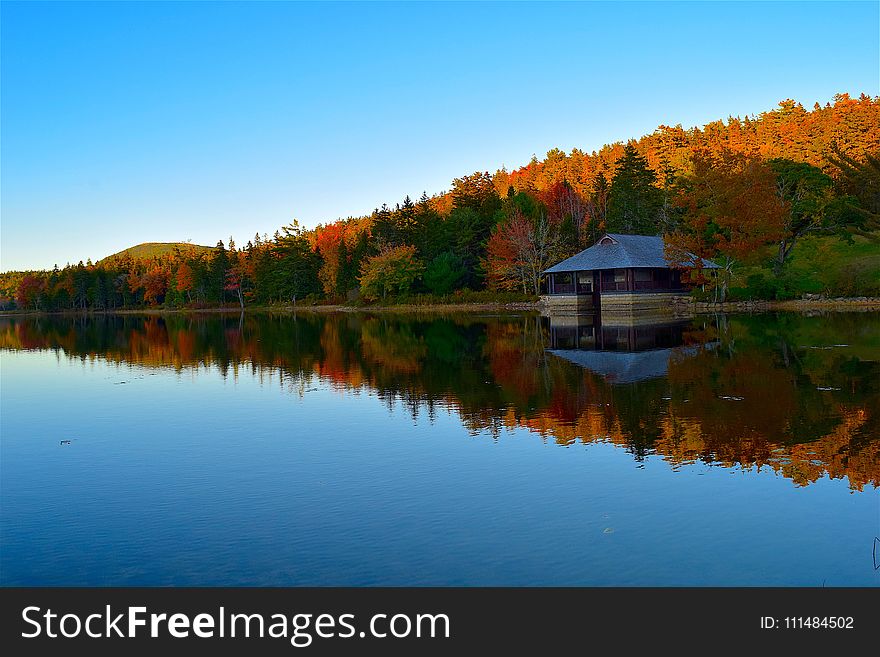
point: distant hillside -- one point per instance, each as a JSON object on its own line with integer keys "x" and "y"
{"x": 153, "y": 249}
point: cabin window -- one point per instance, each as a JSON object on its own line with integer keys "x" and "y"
{"x": 606, "y": 241}
{"x": 584, "y": 282}
{"x": 619, "y": 275}
{"x": 563, "y": 279}
{"x": 644, "y": 276}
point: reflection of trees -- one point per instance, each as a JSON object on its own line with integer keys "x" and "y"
{"x": 753, "y": 399}
{"x": 784, "y": 420}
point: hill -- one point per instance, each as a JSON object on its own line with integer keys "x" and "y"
{"x": 154, "y": 249}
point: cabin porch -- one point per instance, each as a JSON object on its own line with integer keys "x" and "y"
{"x": 622, "y": 289}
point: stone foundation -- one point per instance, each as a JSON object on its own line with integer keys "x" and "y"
{"x": 636, "y": 302}
{"x": 567, "y": 304}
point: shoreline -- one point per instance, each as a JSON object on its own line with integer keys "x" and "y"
{"x": 838, "y": 304}
{"x": 329, "y": 308}
{"x": 841, "y": 304}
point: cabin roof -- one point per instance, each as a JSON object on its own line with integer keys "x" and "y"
{"x": 614, "y": 251}
{"x": 618, "y": 367}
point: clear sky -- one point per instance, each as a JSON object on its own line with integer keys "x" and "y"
{"x": 126, "y": 122}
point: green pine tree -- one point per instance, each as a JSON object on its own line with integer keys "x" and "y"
{"x": 635, "y": 201}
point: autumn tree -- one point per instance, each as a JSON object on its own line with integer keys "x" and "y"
{"x": 393, "y": 270}
{"x": 235, "y": 281}
{"x": 567, "y": 209}
{"x": 30, "y": 291}
{"x": 477, "y": 192}
{"x": 505, "y": 269}
{"x": 184, "y": 279}
{"x": 522, "y": 246}
{"x": 329, "y": 241}
{"x": 730, "y": 208}
{"x": 154, "y": 283}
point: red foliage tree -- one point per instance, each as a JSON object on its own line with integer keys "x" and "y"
{"x": 30, "y": 288}
{"x": 731, "y": 208}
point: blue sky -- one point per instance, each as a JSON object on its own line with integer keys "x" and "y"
{"x": 126, "y": 122}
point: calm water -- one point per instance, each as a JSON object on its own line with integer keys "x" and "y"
{"x": 355, "y": 449}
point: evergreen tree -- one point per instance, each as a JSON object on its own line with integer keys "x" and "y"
{"x": 444, "y": 273}
{"x": 384, "y": 229}
{"x": 428, "y": 233}
{"x": 299, "y": 264}
{"x": 598, "y": 208}
{"x": 346, "y": 275}
{"x": 634, "y": 201}
{"x": 217, "y": 274}
{"x": 860, "y": 182}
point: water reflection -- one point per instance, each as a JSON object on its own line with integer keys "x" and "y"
{"x": 595, "y": 332}
{"x": 800, "y": 395}
{"x": 620, "y": 353}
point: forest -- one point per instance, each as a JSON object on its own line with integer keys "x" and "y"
{"x": 786, "y": 202}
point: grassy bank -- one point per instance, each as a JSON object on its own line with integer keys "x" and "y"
{"x": 826, "y": 265}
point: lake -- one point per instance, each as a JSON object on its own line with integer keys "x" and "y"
{"x": 391, "y": 449}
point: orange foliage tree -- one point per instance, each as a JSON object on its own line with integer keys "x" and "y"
{"x": 185, "y": 280}
{"x": 329, "y": 244}
{"x": 155, "y": 284}
{"x": 730, "y": 208}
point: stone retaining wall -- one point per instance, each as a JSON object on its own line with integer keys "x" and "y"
{"x": 566, "y": 303}
{"x": 684, "y": 304}
{"x": 637, "y": 301}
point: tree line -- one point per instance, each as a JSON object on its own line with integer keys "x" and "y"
{"x": 739, "y": 192}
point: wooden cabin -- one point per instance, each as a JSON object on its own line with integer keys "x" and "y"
{"x": 619, "y": 272}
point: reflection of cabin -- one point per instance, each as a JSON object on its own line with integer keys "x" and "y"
{"x": 619, "y": 353}
{"x": 589, "y": 332}
{"x": 619, "y": 367}
{"x": 619, "y": 272}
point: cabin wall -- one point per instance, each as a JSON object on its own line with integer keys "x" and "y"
{"x": 624, "y": 279}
